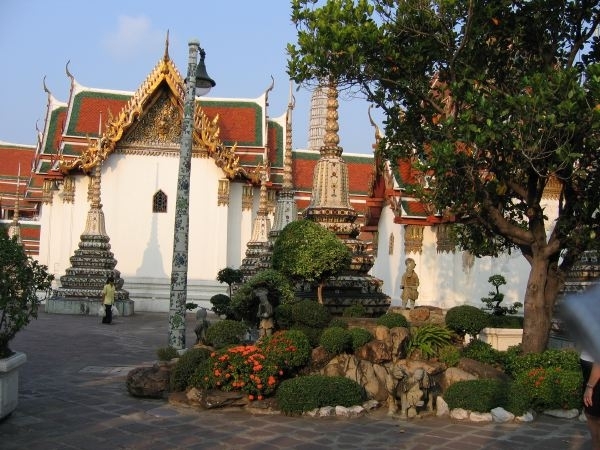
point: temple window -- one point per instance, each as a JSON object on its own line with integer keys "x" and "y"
{"x": 159, "y": 202}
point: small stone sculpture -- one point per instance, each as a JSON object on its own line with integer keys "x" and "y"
{"x": 265, "y": 314}
{"x": 410, "y": 391}
{"x": 201, "y": 325}
{"x": 409, "y": 285}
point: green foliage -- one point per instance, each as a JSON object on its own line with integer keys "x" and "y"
{"x": 187, "y": 364}
{"x": 427, "y": 340}
{"x": 360, "y": 337}
{"x": 221, "y": 305}
{"x": 288, "y": 349}
{"x": 311, "y": 314}
{"x": 480, "y": 395}
{"x": 283, "y": 316}
{"x": 336, "y": 340}
{"x": 338, "y": 322}
{"x": 166, "y": 353}
{"x": 305, "y": 393}
{"x": 492, "y": 303}
{"x": 496, "y": 101}
{"x": 514, "y": 322}
{"x": 566, "y": 359}
{"x": 466, "y": 319}
{"x": 356, "y": 310}
{"x": 225, "y": 332}
{"x": 244, "y": 304}
{"x": 449, "y": 355}
{"x": 20, "y": 278}
{"x": 483, "y": 352}
{"x": 304, "y": 250}
{"x": 518, "y": 401}
{"x": 551, "y": 388}
{"x": 392, "y": 320}
{"x": 313, "y": 334}
{"x": 230, "y": 276}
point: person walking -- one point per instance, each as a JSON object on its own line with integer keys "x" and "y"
{"x": 108, "y": 299}
{"x": 591, "y": 396}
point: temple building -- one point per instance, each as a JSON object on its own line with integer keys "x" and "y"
{"x": 96, "y": 194}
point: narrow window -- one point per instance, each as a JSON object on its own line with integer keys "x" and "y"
{"x": 159, "y": 202}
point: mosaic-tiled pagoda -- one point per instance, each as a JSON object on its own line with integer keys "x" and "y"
{"x": 330, "y": 207}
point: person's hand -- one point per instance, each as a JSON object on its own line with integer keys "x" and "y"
{"x": 587, "y": 396}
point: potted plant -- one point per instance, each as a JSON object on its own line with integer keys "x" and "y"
{"x": 505, "y": 328}
{"x": 20, "y": 279}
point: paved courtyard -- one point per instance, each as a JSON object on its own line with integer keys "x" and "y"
{"x": 73, "y": 396}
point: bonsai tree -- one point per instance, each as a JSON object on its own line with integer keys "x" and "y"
{"x": 306, "y": 251}
{"x": 230, "y": 276}
{"x": 20, "y": 279}
{"x": 492, "y": 303}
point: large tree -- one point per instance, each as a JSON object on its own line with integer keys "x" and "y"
{"x": 494, "y": 100}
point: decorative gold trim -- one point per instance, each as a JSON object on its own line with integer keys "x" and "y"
{"x": 223, "y": 192}
{"x": 413, "y": 239}
{"x": 247, "y": 197}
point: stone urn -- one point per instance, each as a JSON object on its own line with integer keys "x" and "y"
{"x": 9, "y": 382}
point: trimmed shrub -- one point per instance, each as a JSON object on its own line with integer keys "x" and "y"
{"x": 427, "y": 340}
{"x": 449, "y": 355}
{"x": 518, "y": 401}
{"x": 188, "y": 363}
{"x": 313, "y": 334}
{"x": 514, "y": 322}
{"x": 283, "y": 316}
{"x": 310, "y": 313}
{"x": 225, "y": 332}
{"x": 551, "y": 388}
{"x": 166, "y": 353}
{"x": 336, "y": 340}
{"x": 221, "y": 305}
{"x": 338, "y": 322}
{"x": 477, "y": 395}
{"x": 356, "y": 310}
{"x": 360, "y": 337}
{"x": 566, "y": 359}
{"x": 289, "y": 349}
{"x": 483, "y": 352}
{"x": 466, "y": 319}
{"x": 392, "y": 320}
{"x": 300, "y": 394}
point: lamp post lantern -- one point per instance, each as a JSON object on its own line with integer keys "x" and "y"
{"x": 198, "y": 83}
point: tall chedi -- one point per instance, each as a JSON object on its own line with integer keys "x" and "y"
{"x": 330, "y": 207}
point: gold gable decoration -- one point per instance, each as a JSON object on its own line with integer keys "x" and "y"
{"x": 247, "y": 197}
{"x": 223, "y": 192}
{"x": 445, "y": 243}
{"x": 413, "y": 239}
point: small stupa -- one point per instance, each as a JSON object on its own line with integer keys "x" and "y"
{"x": 92, "y": 263}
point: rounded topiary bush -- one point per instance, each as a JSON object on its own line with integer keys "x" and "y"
{"x": 477, "y": 395}
{"x": 283, "y": 316}
{"x": 356, "y": 310}
{"x": 483, "y": 352}
{"x": 336, "y": 340}
{"x": 221, "y": 305}
{"x": 225, "y": 332}
{"x": 566, "y": 359}
{"x": 551, "y": 388}
{"x": 181, "y": 374}
{"x": 166, "y": 353}
{"x": 301, "y": 394}
{"x": 514, "y": 322}
{"x": 392, "y": 320}
{"x": 311, "y": 314}
{"x": 360, "y": 337}
{"x": 466, "y": 319}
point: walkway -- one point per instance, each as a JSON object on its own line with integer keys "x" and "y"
{"x": 73, "y": 396}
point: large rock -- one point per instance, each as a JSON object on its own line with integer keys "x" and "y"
{"x": 149, "y": 382}
{"x": 452, "y": 375}
{"x": 376, "y": 352}
{"x": 481, "y": 370}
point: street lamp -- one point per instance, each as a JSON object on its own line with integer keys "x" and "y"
{"x": 198, "y": 83}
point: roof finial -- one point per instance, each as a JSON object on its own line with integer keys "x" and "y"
{"x": 377, "y": 130}
{"x": 166, "y": 56}
{"x": 69, "y": 74}
{"x": 269, "y": 89}
{"x": 46, "y": 90}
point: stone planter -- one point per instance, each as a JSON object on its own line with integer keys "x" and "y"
{"x": 501, "y": 338}
{"x": 9, "y": 382}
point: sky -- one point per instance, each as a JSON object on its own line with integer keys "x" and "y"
{"x": 116, "y": 44}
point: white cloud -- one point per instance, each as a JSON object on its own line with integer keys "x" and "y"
{"x": 133, "y": 36}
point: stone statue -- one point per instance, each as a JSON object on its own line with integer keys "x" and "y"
{"x": 410, "y": 391}
{"x": 201, "y": 325}
{"x": 409, "y": 285}
{"x": 265, "y": 314}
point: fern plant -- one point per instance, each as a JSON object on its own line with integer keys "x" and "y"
{"x": 427, "y": 340}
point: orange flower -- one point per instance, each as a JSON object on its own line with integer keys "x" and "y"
{"x": 251, "y": 397}
{"x": 260, "y": 397}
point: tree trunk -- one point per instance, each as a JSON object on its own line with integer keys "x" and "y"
{"x": 320, "y": 293}
{"x": 542, "y": 289}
